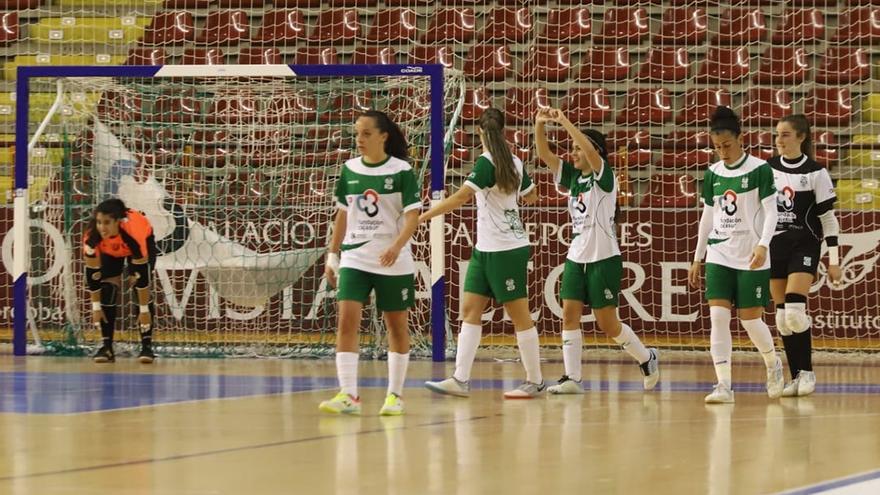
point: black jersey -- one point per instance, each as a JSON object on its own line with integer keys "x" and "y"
{"x": 804, "y": 192}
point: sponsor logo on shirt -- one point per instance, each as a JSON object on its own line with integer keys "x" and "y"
{"x": 728, "y": 202}
{"x": 368, "y": 202}
{"x": 785, "y": 198}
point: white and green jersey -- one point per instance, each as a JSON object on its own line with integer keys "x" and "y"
{"x": 375, "y": 198}
{"x": 499, "y": 227}
{"x": 735, "y": 193}
{"x": 592, "y": 203}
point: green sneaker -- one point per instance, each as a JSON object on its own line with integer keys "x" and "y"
{"x": 341, "y": 403}
{"x": 393, "y": 406}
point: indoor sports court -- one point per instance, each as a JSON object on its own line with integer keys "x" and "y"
{"x": 287, "y": 162}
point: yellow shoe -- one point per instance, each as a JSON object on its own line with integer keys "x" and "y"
{"x": 342, "y": 403}
{"x": 393, "y": 406}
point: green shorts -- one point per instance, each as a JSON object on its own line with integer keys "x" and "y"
{"x": 393, "y": 292}
{"x": 595, "y": 284}
{"x": 743, "y": 288}
{"x": 501, "y": 275}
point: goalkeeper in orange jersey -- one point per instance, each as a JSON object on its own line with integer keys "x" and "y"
{"x": 116, "y": 235}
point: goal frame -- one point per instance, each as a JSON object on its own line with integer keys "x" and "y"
{"x": 21, "y": 219}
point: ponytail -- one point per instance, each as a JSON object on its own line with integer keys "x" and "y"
{"x": 506, "y": 177}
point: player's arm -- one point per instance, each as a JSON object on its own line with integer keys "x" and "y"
{"x": 331, "y": 268}
{"x": 410, "y": 224}
{"x": 593, "y": 156}
{"x": 462, "y": 196}
{"x": 530, "y": 197}
{"x": 767, "y": 192}
{"x": 93, "y": 283}
{"x": 541, "y": 145}
{"x": 825, "y": 198}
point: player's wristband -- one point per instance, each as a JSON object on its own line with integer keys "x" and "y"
{"x": 333, "y": 261}
{"x": 834, "y": 256}
{"x": 145, "y": 308}
{"x": 96, "y": 305}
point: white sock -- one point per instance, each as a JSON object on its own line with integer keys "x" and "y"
{"x": 397, "y": 364}
{"x": 468, "y": 341}
{"x": 572, "y": 350}
{"x": 527, "y": 341}
{"x": 760, "y": 335}
{"x": 631, "y": 344}
{"x": 347, "y": 372}
{"x": 721, "y": 343}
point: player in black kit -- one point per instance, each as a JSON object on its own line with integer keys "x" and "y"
{"x": 805, "y": 204}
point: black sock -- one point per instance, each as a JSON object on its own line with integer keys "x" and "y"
{"x": 805, "y": 350}
{"x": 108, "y": 326}
{"x": 794, "y": 366}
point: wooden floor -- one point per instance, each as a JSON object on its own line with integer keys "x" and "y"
{"x": 194, "y": 426}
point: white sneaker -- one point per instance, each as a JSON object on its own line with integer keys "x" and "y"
{"x": 527, "y": 390}
{"x": 791, "y": 388}
{"x": 806, "y": 383}
{"x": 651, "y": 370}
{"x": 341, "y": 403}
{"x": 775, "y": 381}
{"x": 450, "y": 386}
{"x": 393, "y": 406}
{"x": 566, "y": 385}
{"x": 721, "y": 394}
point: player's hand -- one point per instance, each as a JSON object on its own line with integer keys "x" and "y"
{"x": 424, "y": 217}
{"x": 694, "y": 274}
{"x": 759, "y": 256}
{"x": 145, "y": 321}
{"x": 835, "y": 274}
{"x": 542, "y": 116}
{"x": 389, "y": 256}
{"x": 98, "y": 317}
{"x": 331, "y": 268}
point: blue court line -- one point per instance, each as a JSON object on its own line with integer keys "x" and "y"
{"x": 833, "y": 484}
{"x": 70, "y": 393}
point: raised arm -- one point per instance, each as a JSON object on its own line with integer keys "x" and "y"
{"x": 462, "y": 196}
{"x": 541, "y": 145}
{"x": 584, "y": 143}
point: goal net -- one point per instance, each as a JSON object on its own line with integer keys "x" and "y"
{"x": 235, "y": 168}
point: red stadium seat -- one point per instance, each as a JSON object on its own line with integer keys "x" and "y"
{"x": 783, "y": 65}
{"x": 236, "y": 109}
{"x": 20, "y": 4}
{"x": 587, "y": 106}
{"x": 240, "y": 4}
{"x": 687, "y": 140}
{"x": 683, "y": 26}
{"x": 759, "y": 144}
{"x": 629, "y": 149}
{"x": 353, "y": 3}
{"x": 347, "y": 106}
{"x": 434, "y": 55}
{"x": 700, "y": 103}
{"x": 225, "y": 27}
{"x": 765, "y": 106}
{"x": 257, "y": 56}
{"x": 267, "y": 148}
{"x": 623, "y": 26}
{"x": 549, "y": 193}
{"x": 476, "y": 101}
{"x": 383, "y": 55}
{"x": 689, "y": 159}
{"x": 463, "y": 144}
{"x": 859, "y": 26}
{"x": 170, "y": 28}
{"x": 488, "y": 62}
{"x": 800, "y": 26}
{"x": 665, "y": 65}
{"x": 829, "y": 106}
{"x": 316, "y": 56}
{"x": 605, "y": 64}
{"x": 281, "y": 27}
{"x": 115, "y": 106}
{"x": 646, "y": 106}
{"x": 844, "y": 65}
{"x": 671, "y": 191}
{"x": 146, "y": 56}
{"x": 567, "y": 26}
{"x": 287, "y": 109}
{"x": 181, "y": 107}
{"x": 724, "y": 65}
{"x": 296, "y": 4}
{"x": 521, "y": 104}
{"x": 338, "y": 26}
{"x": 451, "y": 25}
{"x": 507, "y": 24}
{"x": 9, "y": 28}
{"x": 741, "y": 26}
{"x": 827, "y": 152}
{"x": 547, "y": 63}
{"x": 520, "y": 142}
{"x": 202, "y": 56}
{"x": 394, "y": 26}
{"x": 407, "y": 3}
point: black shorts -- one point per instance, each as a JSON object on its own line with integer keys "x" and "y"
{"x": 787, "y": 257}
